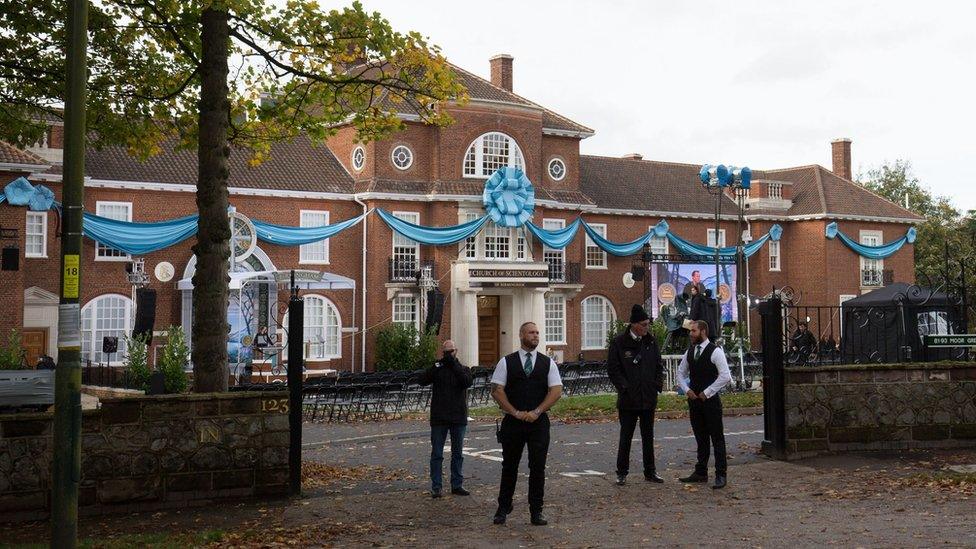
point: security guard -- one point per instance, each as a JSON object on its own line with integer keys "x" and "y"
{"x": 525, "y": 385}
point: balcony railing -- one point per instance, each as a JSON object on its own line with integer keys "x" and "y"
{"x": 408, "y": 269}
{"x": 562, "y": 272}
{"x": 871, "y": 278}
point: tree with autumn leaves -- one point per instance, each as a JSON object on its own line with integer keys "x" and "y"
{"x": 210, "y": 75}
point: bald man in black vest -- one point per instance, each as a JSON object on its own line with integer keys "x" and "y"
{"x": 702, "y": 373}
{"x": 525, "y": 385}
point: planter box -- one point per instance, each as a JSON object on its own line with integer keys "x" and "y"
{"x": 26, "y": 387}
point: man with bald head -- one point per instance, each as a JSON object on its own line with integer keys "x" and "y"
{"x": 448, "y": 415}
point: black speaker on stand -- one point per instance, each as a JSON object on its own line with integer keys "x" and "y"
{"x": 10, "y": 259}
{"x": 435, "y": 310}
{"x": 145, "y": 313}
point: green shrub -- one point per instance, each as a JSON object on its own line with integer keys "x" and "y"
{"x": 173, "y": 359}
{"x": 659, "y": 330}
{"x": 403, "y": 347}
{"x": 616, "y": 328}
{"x": 136, "y": 362}
{"x": 12, "y": 354}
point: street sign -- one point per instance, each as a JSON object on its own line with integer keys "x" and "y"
{"x": 956, "y": 340}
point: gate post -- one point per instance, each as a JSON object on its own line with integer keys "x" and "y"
{"x": 774, "y": 402}
{"x": 296, "y": 363}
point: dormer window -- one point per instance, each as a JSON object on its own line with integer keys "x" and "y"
{"x": 491, "y": 151}
{"x": 774, "y": 190}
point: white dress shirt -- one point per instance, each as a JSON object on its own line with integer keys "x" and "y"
{"x": 500, "y": 375}
{"x": 718, "y": 359}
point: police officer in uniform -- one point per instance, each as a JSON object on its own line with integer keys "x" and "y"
{"x": 525, "y": 385}
{"x": 636, "y": 371}
{"x": 701, "y": 375}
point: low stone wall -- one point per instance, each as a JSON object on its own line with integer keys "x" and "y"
{"x": 879, "y": 407}
{"x": 106, "y": 393}
{"x": 146, "y": 452}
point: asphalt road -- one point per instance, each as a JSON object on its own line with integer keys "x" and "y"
{"x": 576, "y": 450}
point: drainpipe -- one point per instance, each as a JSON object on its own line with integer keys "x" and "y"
{"x": 748, "y": 295}
{"x": 362, "y": 331}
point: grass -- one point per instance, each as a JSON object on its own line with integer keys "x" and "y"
{"x": 606, "y": 405}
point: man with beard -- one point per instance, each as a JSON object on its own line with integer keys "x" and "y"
{"x": 525, "y": 385}
{"x": 636, "y": 371}
{"x": 701, "y": 375}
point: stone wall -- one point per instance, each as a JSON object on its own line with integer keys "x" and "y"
{"x": 149, "y": 452}
{"x": 879, "y": 407}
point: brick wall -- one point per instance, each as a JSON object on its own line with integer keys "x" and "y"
{"x": 144, "y": 453}
{"x": 880, "y": 407}
{"x": 12, "y": 282}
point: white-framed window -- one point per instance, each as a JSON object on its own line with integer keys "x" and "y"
{"x": 35, "y": 242}
{"x": 108, "y": 315}
{"x": 322, "y": 337}
{"x": 498, "y": 242}
{"x": 934, "y": 323}
{"x": 521, "y": 245}
{"x": 710, "y": 238}
{"x": 406, "y": 252}
{"x": 489, "y": 152}
{"x": 871, "y": 269}
{"x": 119, "y": 211}
{"x": 316, "y": 253}
{"x": 554, "y": 257}
{"x": 774, "y": 190}
{"x": 469, "y": 248}
{"x": 406, "y": 310}
{"x": 557, "y": 169}
{"x": 844, "y": 298}
{"x": 555, "y": 320}
{"x": 597, "y": 315}
{"x": 774, "y": 264}
{"x": 402, "y": 157}
{"x": 596, "y": 258}
{"x": 659, "y": 244}
{"x": 358, "y": 158}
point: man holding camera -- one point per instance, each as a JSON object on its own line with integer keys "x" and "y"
{"x": 448, "y": 415}
{"x": 635, "y": 368}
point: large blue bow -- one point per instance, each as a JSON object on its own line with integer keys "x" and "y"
{"x": 509, "y": 197}
{"x": 20, "y": 192}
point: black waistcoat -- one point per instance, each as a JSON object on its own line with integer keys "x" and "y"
{"x": 527, "y": 392}
{"x": 702, "y": 372}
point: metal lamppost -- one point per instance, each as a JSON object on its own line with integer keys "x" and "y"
{"x": 716, "y": 179}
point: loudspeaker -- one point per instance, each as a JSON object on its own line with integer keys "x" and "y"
{"x": 110, "y": 344}
{"x": 637, "y": 271}
{"x": 435, "y": 310}
{"x": 145, "y": 313}
{"x": 157, "y": 383}
{"x": 11, "y": 259}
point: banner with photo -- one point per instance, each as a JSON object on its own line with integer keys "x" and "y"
{"x": 669, "y": 282}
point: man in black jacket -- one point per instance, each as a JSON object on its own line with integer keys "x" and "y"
{"x": 636, "y": 370}
{"x": 448, "y": 414}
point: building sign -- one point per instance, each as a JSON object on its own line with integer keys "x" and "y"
{"x": 532, "y": 276}
{"x": 509, "y": 273}
{"x": 957, "y": 340}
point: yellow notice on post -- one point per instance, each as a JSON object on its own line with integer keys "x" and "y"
{"x": 72, "y": 269}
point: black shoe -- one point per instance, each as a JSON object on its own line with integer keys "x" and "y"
{"x": 460, "y": 492}
{"x": 720, "y": 482}
{"x": 653, "y": 478}
{"x": 695, "y": 477}
{"x": 435, "y": 494}
{"x": 621, "y": 480}
{"x": 500, "y": 515}
{"x": 538, "y": 519}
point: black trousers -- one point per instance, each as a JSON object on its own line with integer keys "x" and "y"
{"x": 628, "y": 422}
{"x": 516, "y": 435}
{"x": 706, "y": 423}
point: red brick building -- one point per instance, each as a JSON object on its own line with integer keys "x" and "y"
{"x": 435, "y": 176}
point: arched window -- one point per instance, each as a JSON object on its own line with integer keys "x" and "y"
{"x": 322, "y": 329}
{"x": 491, "y": 151}
{"x": 108, "y": 315}
{"x": 597, "y": 317}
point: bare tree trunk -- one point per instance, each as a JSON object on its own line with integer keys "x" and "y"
{"x": 210, "y": 281}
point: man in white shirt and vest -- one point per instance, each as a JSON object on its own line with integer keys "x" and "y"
{"x": 701, "y": 375}
{"x": 525, "y": 385}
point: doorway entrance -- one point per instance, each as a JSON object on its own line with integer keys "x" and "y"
{"x": 34, "y": 342}
{"x": 488, "y": 336}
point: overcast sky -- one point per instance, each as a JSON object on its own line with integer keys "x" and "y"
{"x": 764, "y": 84}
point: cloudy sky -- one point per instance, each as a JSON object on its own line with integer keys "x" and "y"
{"x": 765, "y": 84}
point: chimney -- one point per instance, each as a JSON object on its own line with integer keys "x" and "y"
{"x": 633, "y": 156}
{"x": 841, "y": 153}
{"x": 501, "y": 71}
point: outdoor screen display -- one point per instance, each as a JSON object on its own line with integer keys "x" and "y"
{"x": 669, "y": 281}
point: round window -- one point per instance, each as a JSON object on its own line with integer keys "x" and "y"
{"x": 358, "y": 158}
{"x": 402, "y": 157}
{"x": 557, "y": 169}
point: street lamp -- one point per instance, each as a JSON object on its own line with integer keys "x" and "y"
{"x": 716, "y": 179}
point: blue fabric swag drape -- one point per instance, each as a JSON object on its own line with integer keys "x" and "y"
{"x": 558, "y": 238}
{"x": 296, "y": 236}
{"x": 138, "y": 238}
{"x": 870, "y": 252}
{"x": 615, "y": 248}
{"x": 435, "y": 236}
